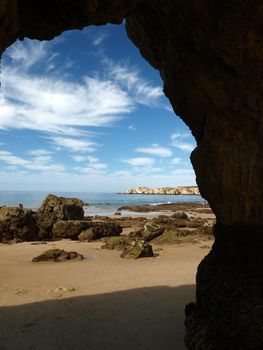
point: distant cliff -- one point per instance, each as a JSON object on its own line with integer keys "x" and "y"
{"x": 180, "y": 190}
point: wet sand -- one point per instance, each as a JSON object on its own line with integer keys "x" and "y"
{"x": 103, "y": 302}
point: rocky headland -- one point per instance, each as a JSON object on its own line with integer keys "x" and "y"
{"x": 180, "y": 190}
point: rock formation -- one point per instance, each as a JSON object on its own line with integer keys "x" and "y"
{"x": 17, "y": 224}
{"x": 180, "y": 190}
{"x": 54, "y": 209}
{"x": 57, "y": 255}
{"x": 209, "y": 54}
{"x": 56, "y": 218}
{"x": 69, "y": 228}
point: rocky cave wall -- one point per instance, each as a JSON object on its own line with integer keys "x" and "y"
{"x": 209, "y": 54}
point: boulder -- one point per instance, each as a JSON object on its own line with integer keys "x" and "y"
{"x": 70, "y": 228}
{"x": 87, "y": 235}
{"x": 57, "y": 255}
{"x": 18, "y": 224}
{"x": 137, "y": 249}
{"x": 137, "y": 234}
{"x": 54, "y": 209}
{"x": 207, "y": 229}
{"x": 171, "y": 236}
{"x": 106, "y": 229}
{"x": 117, "y": 243}
{"x": 152, "y": 231}
{"x": 180, "y": 214}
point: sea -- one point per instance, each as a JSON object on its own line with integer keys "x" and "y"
{"x": 95, "y": 203}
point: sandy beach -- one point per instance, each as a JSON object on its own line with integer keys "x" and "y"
{"x": 102, "y": 302}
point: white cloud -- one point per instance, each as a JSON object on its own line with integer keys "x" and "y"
{"x": 51, "y": 104}
{"x": 25, "y": 54}
{"x": 176, "y": 160}
{"x": 155, "y": 149}
{"x": 99, "y": 38}
{"x": 140, "y": 162}
{"x": 187, "y": 147}
{"x": 79, "y": 158}
{"x": 40, "y": 152}
{"x": 132, "y": 127}
{"x": 93, "y": 168}
{"x": 180, "y": 135}
{"x": 74, "y": 145}
{"x": 183, "y": 172}
{"x": 47, "y": 104}
{"x": 178, "y": 141}
{"x": 41, "y": 163}
{"x": 129, "y": 77}
{"x": 92, "y": 159}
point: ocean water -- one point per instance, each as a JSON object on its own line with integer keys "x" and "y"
{"x": 95, "y": 203}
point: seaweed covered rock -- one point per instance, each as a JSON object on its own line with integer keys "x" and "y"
{"x": 17, "y": 224}
{"x": 137, "y": 234}
{"x": 179, "y": 214}
{"x": 117, "y": 243}
{"x": 70, "y": 228}
{"x": 207, "y": 229}
{"x": 172, "y": 236}
{"x": 87, "y": 235}
{"x": 57, "y": 255}
{"x": 151, "y": 231}
{"x": 137, "y": 249}
{"x": 54, "y": 209}
{"x": 106, "y": 229}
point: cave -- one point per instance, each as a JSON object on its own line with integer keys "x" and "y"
{"x": 209, "y": 55}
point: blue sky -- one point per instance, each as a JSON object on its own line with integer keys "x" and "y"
{"x": 85, "y": 112}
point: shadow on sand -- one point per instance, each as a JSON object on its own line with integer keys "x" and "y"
{"x": 136, "y": 319}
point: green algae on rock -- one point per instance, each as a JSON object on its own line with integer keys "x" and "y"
{"x": 57, "y": 255}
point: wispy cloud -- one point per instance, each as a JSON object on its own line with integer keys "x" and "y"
{"x": 180, "y": 141}
{"x": 94, "y": 166}
{"x": 90, "y": 160}
{"x": 26, "y": 55}
{"x": 40, "y": 152}
{"x": 176, "y": 160}
{"x": 140, "y": 162}
{"x": 79, "y": 159}
{"x": 99, "y": 38}
{"x": 41, "y": 103}
{"x": 74, "y": 145}
{"x": 183, "y": 172}
{"x": 141, "y": 90}
{"x": 132, "y": 127}
{"x": 50, "y": 104}
{"x": 156, "y": 150}
{"x": 43, "y": 163}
